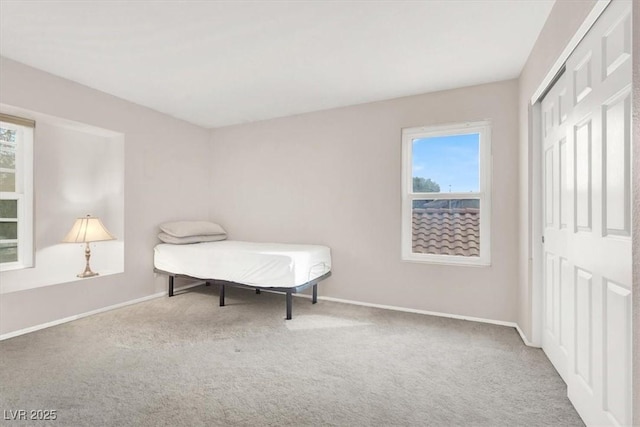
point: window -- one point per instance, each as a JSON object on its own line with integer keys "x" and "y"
{"x": 446, "y": 194}
{"x": 16, "y": 192}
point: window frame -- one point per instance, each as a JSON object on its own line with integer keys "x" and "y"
{"x": 483, "y": 128}
{"x": 23, "y": 193}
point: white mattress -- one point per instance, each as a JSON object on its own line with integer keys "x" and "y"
{"x": 254, "y": 264}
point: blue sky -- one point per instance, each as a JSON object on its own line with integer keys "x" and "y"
{"x": 449, "y": 161}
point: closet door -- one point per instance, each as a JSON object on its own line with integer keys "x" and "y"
{"x": 587, "y": 221}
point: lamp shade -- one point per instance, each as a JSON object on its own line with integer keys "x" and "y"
{"x": 87, "y": 229}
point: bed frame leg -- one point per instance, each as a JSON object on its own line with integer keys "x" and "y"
{"x": 170, "y": 286}
{"x": 221, "y": 295}
{"x": 289, "y": 304}
{"x": 257, "y": 291}
{"x": 314, "y": 298}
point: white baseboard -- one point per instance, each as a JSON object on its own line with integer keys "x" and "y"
{"x": 435, "y": 313}
{"x": 91, "y": 313}
{"x": 524, "y": 338}
{"x": 428, "y": 313}
{"x": 339, "y": 300}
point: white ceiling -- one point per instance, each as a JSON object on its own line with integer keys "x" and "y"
{"x": 217, "y": 63}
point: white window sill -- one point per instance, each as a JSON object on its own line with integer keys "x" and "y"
{"x": 10, "y": 266}
{"x": 447, "y": 260}
{"x": 52, "y": 281}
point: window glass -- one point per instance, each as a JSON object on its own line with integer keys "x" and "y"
{"x": 16, "y": 186}
{"x": 446, "y": 164}
{"x": 7, "y": 160}
{"x": 8, "y": 209}
{"x": 8, "y": 230}
{"x": 8, "y": 252}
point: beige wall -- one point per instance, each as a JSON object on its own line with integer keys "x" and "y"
{"x": 166, "y": 168}
{"x": 562, "y": 24}
{"x": 636, "y": 213}
{"x": 333, "y": 178}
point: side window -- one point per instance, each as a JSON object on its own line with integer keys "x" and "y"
{"x": 16, "y": 192}
{"x": 446, "y": 194}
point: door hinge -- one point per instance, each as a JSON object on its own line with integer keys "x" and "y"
{"x": 543, "y": 240}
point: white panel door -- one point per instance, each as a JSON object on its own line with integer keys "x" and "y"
{"x": 586, "y": 152}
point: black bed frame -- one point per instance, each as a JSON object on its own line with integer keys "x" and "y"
{"x": 223, "y": 283}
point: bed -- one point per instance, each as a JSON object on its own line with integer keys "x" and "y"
{"x": 277, "y": 267}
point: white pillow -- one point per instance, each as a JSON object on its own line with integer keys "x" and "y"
{"x": 190, "y": 239}
{"x": 192, "y": 228}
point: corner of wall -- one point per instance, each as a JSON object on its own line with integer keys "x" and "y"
{"x": 635, "y": 309}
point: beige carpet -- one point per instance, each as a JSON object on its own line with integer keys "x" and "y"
{"x": 184, "y": 361}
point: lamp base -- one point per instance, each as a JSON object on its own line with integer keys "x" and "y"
{"x": 87, "y": 269}
{"x": 87, "y": 274}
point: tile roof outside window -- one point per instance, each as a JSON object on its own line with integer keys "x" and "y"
{"x": 444, "y": 231}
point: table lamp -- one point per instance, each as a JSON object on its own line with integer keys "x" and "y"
{"x": 86, "y": 230}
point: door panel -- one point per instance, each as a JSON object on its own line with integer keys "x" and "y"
{"x": 565, "y": 306}
{"x": 584, "y": 327}
{"x": 564, "y": 175}
{"x": 582, "y": 78}
{"x": 616, "y": 46}
{"x": 618, "y": 351}
{"x": 587, "y": 205}
{"x": 583, "y": 175}
{"x": 616, "y": 148}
